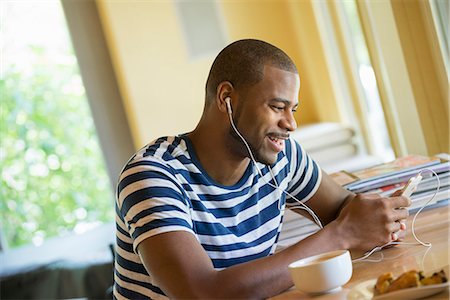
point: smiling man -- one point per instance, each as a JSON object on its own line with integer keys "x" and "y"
{"x": 199, "y": 214}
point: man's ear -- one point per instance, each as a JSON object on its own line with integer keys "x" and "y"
{"x": 224, "y": 90}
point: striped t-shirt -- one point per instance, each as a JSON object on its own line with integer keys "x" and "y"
{"x": 164, "y": 188}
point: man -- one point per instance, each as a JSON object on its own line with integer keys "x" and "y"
{"x": 198, "y": 218}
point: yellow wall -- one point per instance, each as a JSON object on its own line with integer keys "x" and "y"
{"x": 319, "y": 96}
{"x": 163, "y": 90}
{"x": 290, "y": 26}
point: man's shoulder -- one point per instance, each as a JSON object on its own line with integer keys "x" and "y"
{"x": 163, "y": 146}
{"x": 164, "y": 150}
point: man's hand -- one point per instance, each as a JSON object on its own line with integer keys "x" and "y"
{"x": 369, "y": 220}
{"x": 399, "y": 236}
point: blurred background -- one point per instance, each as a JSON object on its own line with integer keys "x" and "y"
{"x": 86, "y": 83}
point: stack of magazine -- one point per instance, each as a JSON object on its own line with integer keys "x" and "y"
{"x": 384, "y": 179}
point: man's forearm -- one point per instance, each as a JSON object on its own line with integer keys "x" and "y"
{"x": 270, "y": 276}
{"x": 346, "y": 201}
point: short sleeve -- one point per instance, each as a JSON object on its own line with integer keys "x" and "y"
{"x": 306, "y": 174}
{"x": 151, "y": 201}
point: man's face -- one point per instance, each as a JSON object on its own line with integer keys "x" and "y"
{"x": 264, "y": 114}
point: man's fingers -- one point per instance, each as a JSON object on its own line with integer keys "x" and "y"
{"x": 401, "y": 235}
{"x": 397, "y": 193}
{"x": 399, "y": 214}
{"x": 398, "y": 202}
{"x": 394, "y": 236}
{"x": 394, "y": 227}
{"x": 402, "y": 225}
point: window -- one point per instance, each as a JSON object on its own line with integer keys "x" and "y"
{"x": 441, "y": 10}
{"x": 404, "y": 46}
{"x": 53, "y": 172}
{"x": 366, "y": 79}
{"x": 378, "y": 53}
{"x": 354, "y": 79}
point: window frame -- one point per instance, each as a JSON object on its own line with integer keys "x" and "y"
{"x": 343, "y": 66}
{"x": 113, "y": 130}
{"x": 102, "y": 90}
{"x": 400, "y": 34}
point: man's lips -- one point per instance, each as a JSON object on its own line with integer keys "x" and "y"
{"x": 277, "y": 141}
{"x": 278, "y": 136}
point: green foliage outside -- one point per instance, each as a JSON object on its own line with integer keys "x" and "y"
{"x": 53, "y": 177}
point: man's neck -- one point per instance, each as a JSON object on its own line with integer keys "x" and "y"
{"x": 215, "y": 158}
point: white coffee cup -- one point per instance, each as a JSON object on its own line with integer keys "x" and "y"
{"x": 322, "y": 273}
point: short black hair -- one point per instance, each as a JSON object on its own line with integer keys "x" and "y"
{"x": 242, "y": 63}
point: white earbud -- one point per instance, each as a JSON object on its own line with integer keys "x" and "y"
{"x": 227, "y": 101}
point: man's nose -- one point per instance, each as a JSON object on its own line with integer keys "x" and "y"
{"x": 288, "y": 122}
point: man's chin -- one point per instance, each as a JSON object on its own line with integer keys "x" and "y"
{"x": 267, "y": 159}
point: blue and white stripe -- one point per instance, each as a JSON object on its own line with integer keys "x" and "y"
{"x": 162, "y": 189}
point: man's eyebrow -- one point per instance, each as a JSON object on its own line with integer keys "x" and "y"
{"x": 285, "y": 101}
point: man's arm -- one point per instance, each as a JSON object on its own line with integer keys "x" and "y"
{"x": 182, "y": 268}
{"x": 328, "y": 200}
{"x": 362, "y": 219}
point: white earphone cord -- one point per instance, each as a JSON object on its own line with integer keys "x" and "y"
{"x": 316, "y": 218}
{"x": 418, "y": 241}
{"x": 313, "y": 215}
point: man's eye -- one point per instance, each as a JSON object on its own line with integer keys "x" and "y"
{"x": 277, "y": 107}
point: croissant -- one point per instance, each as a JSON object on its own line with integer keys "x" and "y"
{"x": 386, "y": 282}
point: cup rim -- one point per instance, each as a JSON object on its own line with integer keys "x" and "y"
{"x": 312, "y": 260}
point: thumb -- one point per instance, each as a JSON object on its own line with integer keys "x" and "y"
{"x": 397, "y": 193}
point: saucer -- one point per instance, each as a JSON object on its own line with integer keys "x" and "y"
{"x": 364, "y": 291}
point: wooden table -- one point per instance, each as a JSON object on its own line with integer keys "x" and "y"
{"x": 431, "y": 226}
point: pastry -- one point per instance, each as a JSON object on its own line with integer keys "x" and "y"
{"x": 383, "y": 283}
{"x": 386, "y": 282}
{"x": 406, "y": 280}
